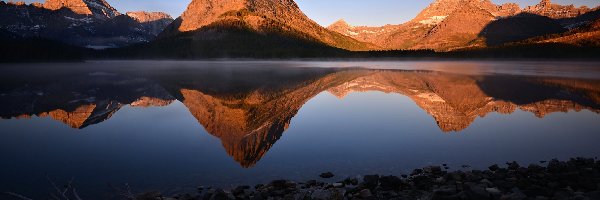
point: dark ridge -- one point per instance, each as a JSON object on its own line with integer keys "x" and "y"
{"x": 231, "y": 39}
{"x": 66, "y": 26}
{"x": 519, "y": 27}
{"x": 37, "y": 50}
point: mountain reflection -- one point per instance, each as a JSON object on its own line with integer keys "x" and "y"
{"x": 249, "y": 109}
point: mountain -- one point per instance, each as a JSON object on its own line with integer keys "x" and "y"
{"x": 99, "y": 9}
{"x": 586, "y": 35}
{"x": 555, "y": 11}
{"x": 252, "y": 28}
{"x": 258, "y": 15}
{"x": 155, "y": 22}
{"x": 363, "y": 33}
{"x": 447, "y": 25}
{"x": 83, "y": 23}
{"x": 459, "y": 27}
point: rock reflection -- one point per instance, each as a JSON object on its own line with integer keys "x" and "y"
{"x": 249, "y": 109}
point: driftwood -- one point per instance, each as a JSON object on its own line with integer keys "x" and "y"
{"x": 18, "y": 196}
{"x": 126, "y": 193}
{"x": 69, "y": 192}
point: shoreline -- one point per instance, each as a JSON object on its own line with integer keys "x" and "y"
{"x": 577, "y": 178}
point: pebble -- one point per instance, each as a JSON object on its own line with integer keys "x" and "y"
{"x": 577, "y": 178}
{"x": 366, "y": 193}
{"x": 326, "y": 175}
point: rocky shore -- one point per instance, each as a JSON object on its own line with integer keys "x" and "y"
{"x": 577, "y": 178}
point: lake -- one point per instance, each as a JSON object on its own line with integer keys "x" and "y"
{"x": 172, "y": 126}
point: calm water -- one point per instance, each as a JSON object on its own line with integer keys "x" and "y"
{"x": 172, "y": 126}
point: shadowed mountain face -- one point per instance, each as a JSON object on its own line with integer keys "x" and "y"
{"x": 519, "y": 27}
{"x": 83, "y": 23}
{"x": 249, "y": 108}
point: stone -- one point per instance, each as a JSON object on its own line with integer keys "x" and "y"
{"x": 219, "y": 194}
{"x": 338, "y": 193}
{"x": 422, "y": 182}
{"x": 440, "y": 180}
{"x": 477, "y": 191}
{"x": 487, "y": 182}
{"x": 366, "y": 193}
{"x": 371, "y": 181}
{"x": 321, "y": 194}
{"x": 240, "y": 190}
{"x": 416, "y": 172}
{"x": 326, "y": 175}
{"x": 278, "y": 183}
{"x": 433, "y": 169}
{"x": 494, "y": 167}
{"x": 513, "y": 165}
{"x": 493, "y": 191}
{"x": 351, "y": 181}
{"x": 390, "y": 183}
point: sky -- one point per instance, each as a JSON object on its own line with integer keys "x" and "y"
{"x": 325, "y": 12}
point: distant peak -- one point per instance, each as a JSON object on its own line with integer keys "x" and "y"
{"x": 340, "y": 22}
{"x": 143, "y": 16}
{"x": 98, "y": 8}
{"x": 545, "y": 2}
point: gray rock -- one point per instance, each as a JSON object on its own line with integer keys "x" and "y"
{"x": 477, "y": 190}
{"x": 494, "y": 168}
{"x": 326, "y": 175}
{"x": 321, "y": 194}
{"x": 371, "y": 181}
{"x": 338, "y": 193}
{"x": 366, "y": 193}
{"x": 513, "y": 165}
{"x": 515, "y": 195}
{"x": 433, "y": 169}
{"x": 440, "y": 180}
{"x": 493, "y": 191}
{"x": 487, "y": 182}
{"x": 594, "y": 195}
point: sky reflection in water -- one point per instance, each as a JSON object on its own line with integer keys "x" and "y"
{"x": 172, "y": 126}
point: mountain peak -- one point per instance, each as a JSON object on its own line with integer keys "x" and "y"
{"x": 143, "y": 16}
{"x": 258, "y": 17}
{"x": 98, "y": 8}
{"x": 437, "y": 11}
{"x": 200, "y": 13}
{"x": 545, "y": 3}
{"x": 548, "y": 9}
{"x": 339, "y": 24}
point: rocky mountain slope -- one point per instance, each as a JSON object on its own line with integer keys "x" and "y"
{"x": 583, "y": 36}
{"x": 84, "y": 23}
{"x": 233, "y": 27}
{"x": 556, "y": 11}
{"x": 453, "y": 24}
{"x": 155, "y": 22}
{"x": 99, "y": 9}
